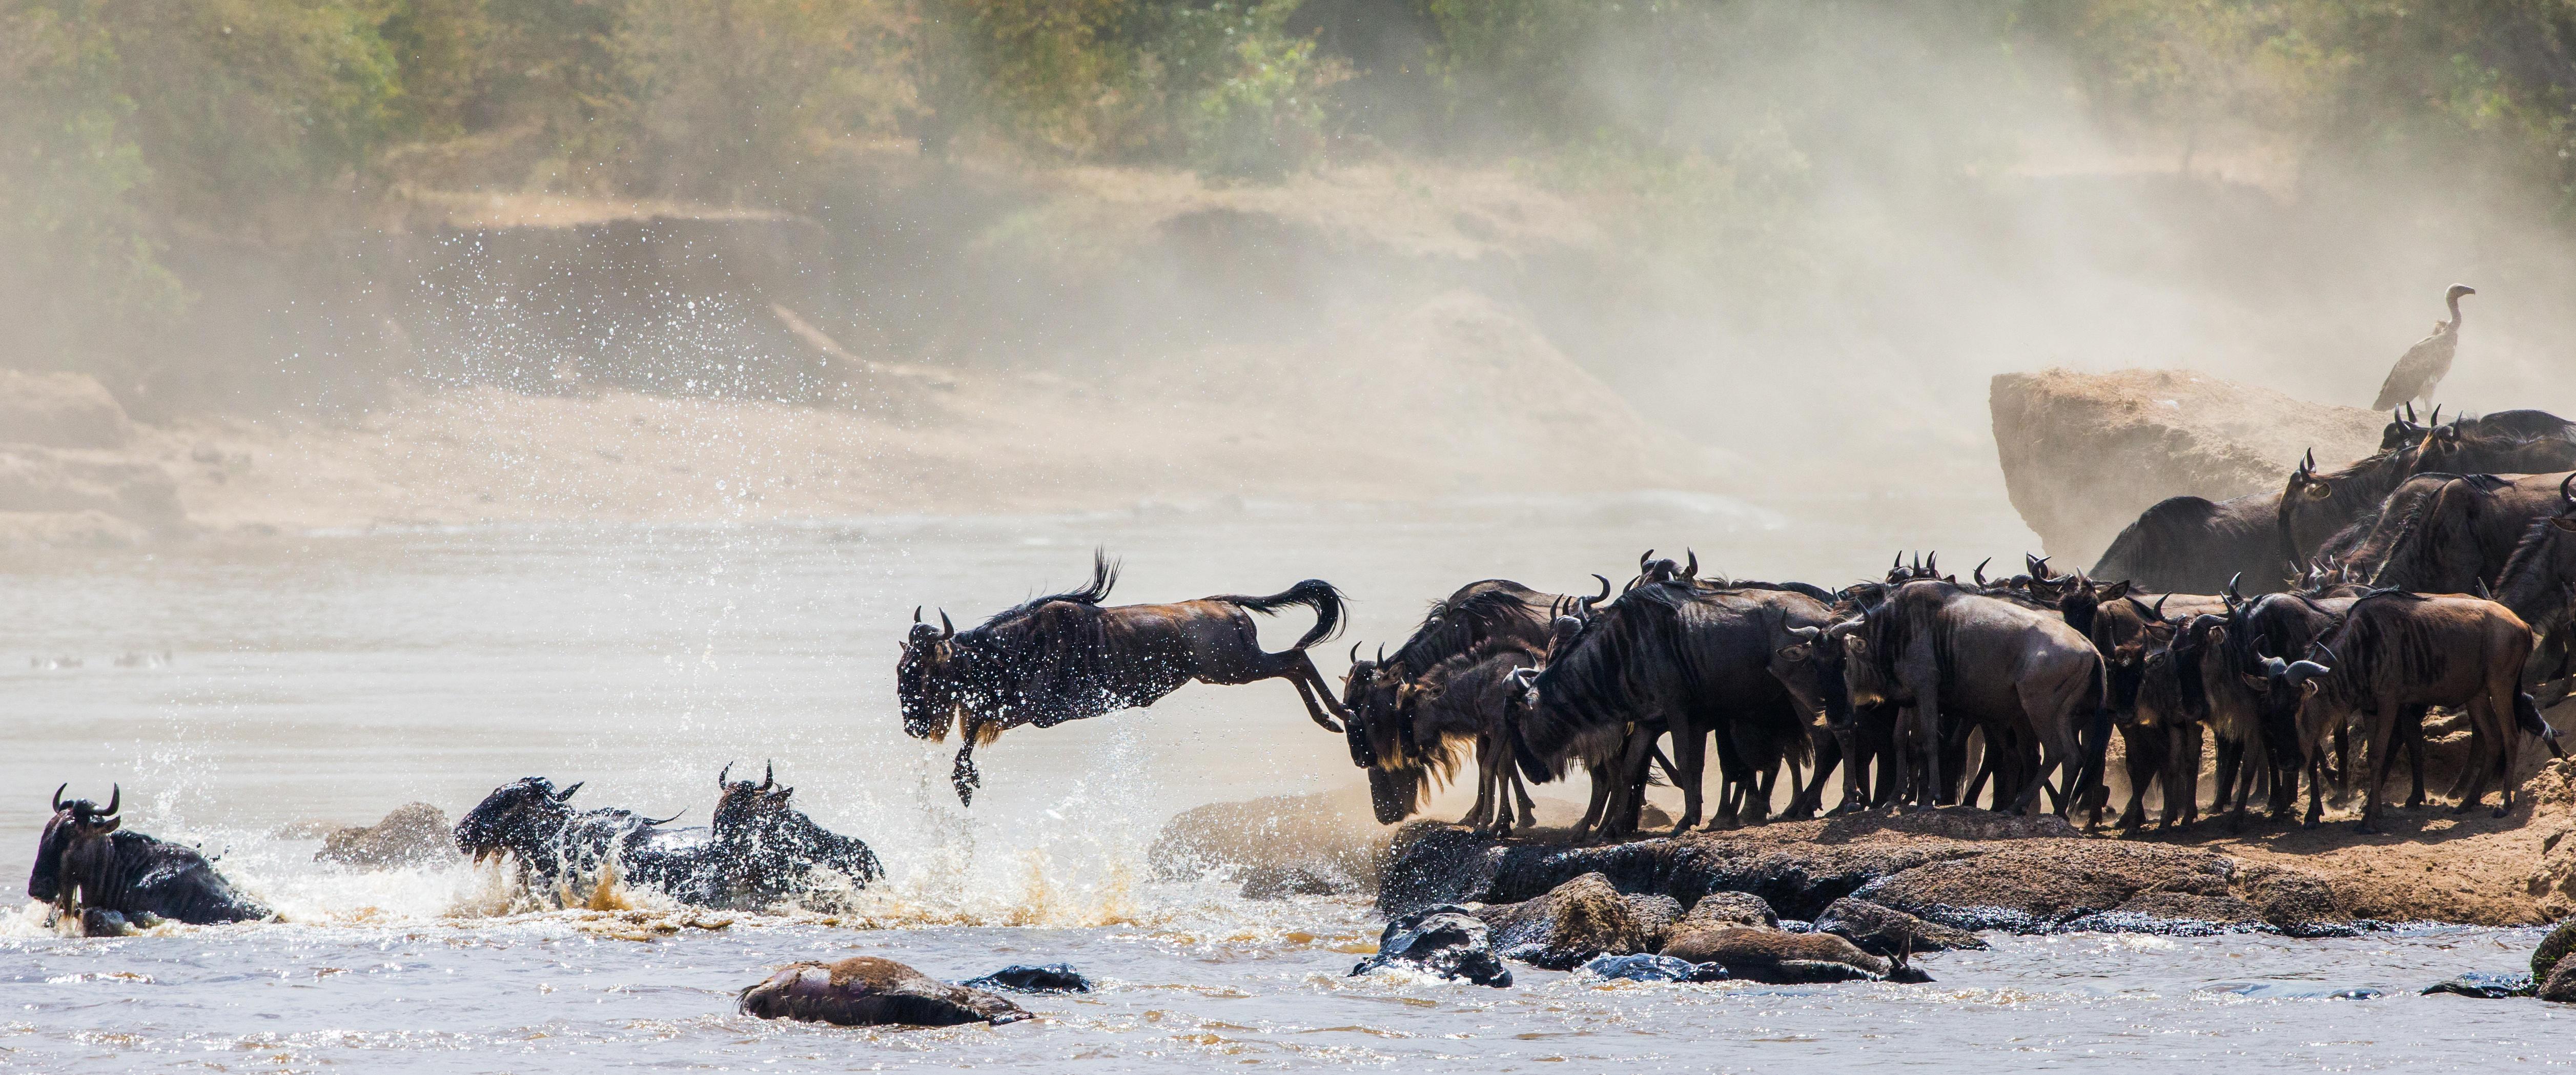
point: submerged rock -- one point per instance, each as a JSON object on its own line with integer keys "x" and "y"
{"x": 2553, "y": 948}
{"x": 1645, "y": 968}
{"x": 1021, "y": 978}
{"x": 868, "y": 991}
{"x": 1780, "y": 957}
{"x": 1447, "y": 941}
{"x": 414, "y": 834}
{"x": 1273, "y": 882}
{"x": 2485, "y": 985}
{"x": 1888, "y": 932}
{"x": 1580, "y": 919}
{"x": 2560, "y": 986}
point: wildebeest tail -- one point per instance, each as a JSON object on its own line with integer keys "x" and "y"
{"x": 2526, "y": 713}
{"x": 1316, "y": 594}
{"x": 2096, "y": 747}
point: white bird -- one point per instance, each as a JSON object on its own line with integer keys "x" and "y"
{"x": 2425, "y": 363}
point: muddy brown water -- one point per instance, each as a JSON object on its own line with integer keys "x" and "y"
{"x": 332, "y": 676}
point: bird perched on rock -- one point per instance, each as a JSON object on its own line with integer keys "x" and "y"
{"x": 2426, "y": 362}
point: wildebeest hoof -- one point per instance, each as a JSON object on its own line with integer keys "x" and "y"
{"x": 2500, "y": 811}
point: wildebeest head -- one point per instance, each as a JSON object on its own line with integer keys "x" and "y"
{"x": 2284, "y": 687}
{"x": 927, "y": 680}
{"x": 2402, "y": 429}
{"x": 74, "y": 846}
{"x": 526, "y": 813}
{"x": 774, "y": 841}
{"x": 742, "y": 805}
{"x": 1810, "y": 667}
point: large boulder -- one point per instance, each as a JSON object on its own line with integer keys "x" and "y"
{"x": 1447, "y": 941}
{"x": 2084, "y": 453}
{"x": 868, "y": 991}
{"x": 1886, "y": 931}
{"x": 2043, "y": 885}
{"x": 1283, "y": 845}
{"x": 1580, "y": 919}
{"x": 414, "y": 834}
{"x": 60, "y": 410}
{"x": 1780, "y": 957}
{"x": 2553, "y": 950}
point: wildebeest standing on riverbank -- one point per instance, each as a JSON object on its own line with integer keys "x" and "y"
{"x": 88, "y": 865}
{"x": 1065, "y": 657}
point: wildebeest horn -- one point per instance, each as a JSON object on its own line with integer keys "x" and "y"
{"x": 1381, "y": 653}
{"x": 115, "y": 795}
{"x": 1980, "y": 573}
{"x": 1808, "y": 634}
{"x": 2303, "y": 671}
{"x": 2160, "y": 606}
{"x": 58, "y": 796}
{"x": 1605, "y": 591}
{"x": 2231, "y": 590}
{"x": 1355, "y": 653}
{"x": 947, "y": 630}
{"x": 720, "y": 774}
{"x": 665, "y": 821}
{"x": 2484, "y": 592}
{"x": 1642, "y": 558}
{"x": 1932, "y": 563}
{"x": 566, "y": 793}
{"x": 2566, "y": 495}
{"x": 2437, "y": 416}
{"x": 916, "y": 613}
{"x": 2410, "y": 412}
{"x": 2310, "y": 463}
{"x": 768, "y": 775}
{"x": 2329, "y": 652}
{"x": 1690, "y": 570}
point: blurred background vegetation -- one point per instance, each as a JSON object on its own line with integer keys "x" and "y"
{"x": 131, "y": 125}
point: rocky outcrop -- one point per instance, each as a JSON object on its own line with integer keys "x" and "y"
{"x": 1885, "y": 931}
{"x": 60, "y": 410}
{"x": 868, "y": 991}
{"x": 1450, "y": 942}
{"x": 1577, "y": 920}
{"x": 64, "y": 477}
{"x": 1283, "y": 845}
{"x": 1719, "y": 909}
{"x": 414, "y": 834}
{"x": 2020, "y": 877}
{"x": 2083, "y": 454}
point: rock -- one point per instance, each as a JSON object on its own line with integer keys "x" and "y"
{"x": 1645, "y": 968}
{"x": 1888, "y": 932}
{"x": 68, "y": 496}
{"x": 60, "y": 410}
{"x": 1780, "y": 957}
{"x": 2084, "y": 454}
{"x": 414, "y": 834}
{"x": 1284, "y": 843}
{"x": 1272, "y": 882}
{"x": 1447, "y": 941}
{"x": 1577, "y": 920}
{"x": 2553, "y": 948}
{"x": 1021, "y": 978}
{"x": 2043, "y": 885}
{"x": 1727, "y": 909}
{"x": 2485, "y": 985}
{"x": 868, "y": 991}
{"x": 2560, "y": 986}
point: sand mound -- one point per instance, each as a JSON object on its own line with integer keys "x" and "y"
{"x": 2083, "y": 453}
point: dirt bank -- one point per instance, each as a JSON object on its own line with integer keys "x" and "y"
{"x": 1978, "y": 870}
{"x": 2084, "y": 453}
{"x": 1455, "y": 395}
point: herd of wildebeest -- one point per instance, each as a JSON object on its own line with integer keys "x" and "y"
{"x": 2349, "y": 605}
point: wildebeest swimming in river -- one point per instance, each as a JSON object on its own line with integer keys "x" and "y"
{"x": 88, "y": 866}
{"x": 1065, "y": 657}
{"x": 757, "y": 850}
{"x": 554, "y": 843}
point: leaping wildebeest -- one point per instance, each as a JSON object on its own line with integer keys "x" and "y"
{"x": 1066, "y": 656}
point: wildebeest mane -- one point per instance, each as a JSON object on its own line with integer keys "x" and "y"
{"x": 1104, "y": 576}
{"x": 1452, "y": 626}
{"x": 2527, "y": 558}
{"x": 1591, "y": 684}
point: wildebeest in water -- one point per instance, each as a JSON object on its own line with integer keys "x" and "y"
{"x": 555, "y": 844}
{"x": 1065, "y": 657}
{"x": 88, "y": 865}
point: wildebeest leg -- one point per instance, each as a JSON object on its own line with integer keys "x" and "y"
{"x": 1599, "y": 773}
{"x": 1811, "y": 796}
{"x": 1480, "y": 815}
{"x": 1511, "y": 768}
{"x": 1690, "y": 764}
{"x": 2410, "y": 727}
{"x": 1927, "y": 721}
{"x": 1856, "y": 756}
{"x": 963, "y": 776}
{"x": 2223, "y": 798}
{"x": 2381, "y": 737}
{"x": 2140, "y": 761}
{"x": 2342, "y": 771}
{"x": 2183, "y": 772}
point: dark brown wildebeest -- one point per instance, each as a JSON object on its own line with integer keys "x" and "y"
{"x": 2189, "y": 544}
{"x": 1464, "y": 702}
{"x": 2128, "y": 631}
{"x": 1696, "y": 658}
{"x": 2315, "y": 506}
{"x": 1066, "y": 657}
{"x": 107, "y": 877}
{"x": 2395, "y": 655}
{"x": 761, "y": 849}
{"x": 2461, "y": 448}
{"x": 1397, "y": 761}
{"x": 556, "y": 845}
{"x": 2251, "y": 635}
{"x": 1951, "y": 655}
{"x": 2458, "y": 539}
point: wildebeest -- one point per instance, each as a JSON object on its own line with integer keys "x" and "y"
{"x": 759, "y": 849}
{"x": 2190, "y": 544}
{"x": 1698, "y": 659}
{"x": 1466, "y": 701}
{"x": 2161, "y": 747}
{"x": 1066, "y": 656}
{"x": 2393, "y": 656}
{"x": 555, "y": 844}
{"x": 2315, "y": 506}
{"x": 89, "y": 866}
{"x": 2458, "y": 539}
{"x": 2021, "y": 674}
{"x": 1389, "y": 747}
